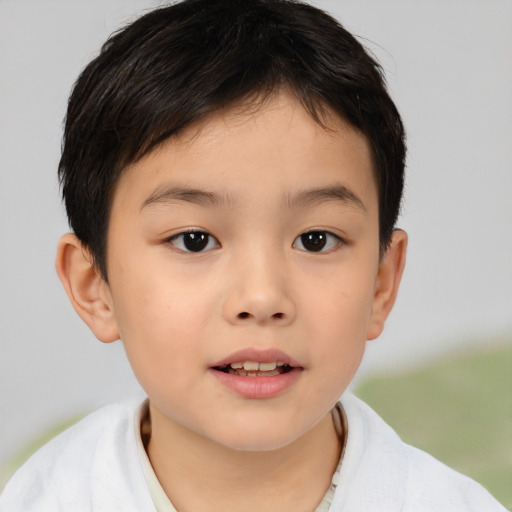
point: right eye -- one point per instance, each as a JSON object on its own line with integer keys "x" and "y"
{"x": 194, "y": 241}
{"x": 317, "y": 241}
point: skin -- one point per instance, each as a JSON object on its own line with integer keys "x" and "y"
{"x": 255, "y": 286}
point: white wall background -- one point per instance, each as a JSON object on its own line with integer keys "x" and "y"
{"x": 449, "y": 66}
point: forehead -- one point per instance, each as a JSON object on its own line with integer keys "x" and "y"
{"x": 270, "y": 146}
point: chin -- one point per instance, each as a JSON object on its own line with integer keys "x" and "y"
{"x": 257, "y": 439}
{"x": 258, "y": 444}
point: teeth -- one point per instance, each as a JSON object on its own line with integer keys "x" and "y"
{"x": 267, "y": 367}
{"x": 252, "y": 366}
{"x": 243, "y": 373}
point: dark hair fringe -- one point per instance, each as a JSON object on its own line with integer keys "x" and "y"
{"x": 176, "y": 64}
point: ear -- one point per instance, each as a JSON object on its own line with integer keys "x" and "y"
{"x": 87, "y": 290}
{"x": 389, "y": 276}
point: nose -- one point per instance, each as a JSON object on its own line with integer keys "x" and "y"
{"x": 259, "y": 292}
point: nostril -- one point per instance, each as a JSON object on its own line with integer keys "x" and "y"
{"x": 243, "y": 315}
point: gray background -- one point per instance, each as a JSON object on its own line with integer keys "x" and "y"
{"x": 449, "y": 67}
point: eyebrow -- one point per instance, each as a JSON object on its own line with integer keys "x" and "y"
{"x": 305, "y": 198}
{"x": 325, "y": 194}
{"x": 190, "y": 195}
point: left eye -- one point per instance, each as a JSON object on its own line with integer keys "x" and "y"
{"x": 316, "y": 241}
{"x": 194, "y": 241}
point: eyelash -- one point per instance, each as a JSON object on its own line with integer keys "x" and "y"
{"x": 203, "y": 241}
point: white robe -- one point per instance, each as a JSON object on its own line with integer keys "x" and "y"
{"x": 95, "y": 466}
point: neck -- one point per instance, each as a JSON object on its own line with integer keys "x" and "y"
{"x": 294, "y": 477}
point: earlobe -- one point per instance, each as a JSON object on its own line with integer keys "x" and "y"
{"x": 87, "y": 290}
{"x": 389, "y": 276}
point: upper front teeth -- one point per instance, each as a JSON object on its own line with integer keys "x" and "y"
{"x": 254, "y": 366}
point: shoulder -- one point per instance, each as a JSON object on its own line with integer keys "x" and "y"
{"x": 83, "y": 468}
{"x": 442, "y": 488}
{"x": 381, "y": 472}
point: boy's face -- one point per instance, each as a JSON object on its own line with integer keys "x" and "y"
{"x": 210, "y": 263}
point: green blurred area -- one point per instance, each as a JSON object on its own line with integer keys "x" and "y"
{"x": 458, "y": 410}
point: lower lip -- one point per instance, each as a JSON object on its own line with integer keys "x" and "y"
{"x": 258, "y": 387}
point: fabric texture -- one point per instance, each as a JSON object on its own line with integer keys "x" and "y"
{"x": 95, "y": 466}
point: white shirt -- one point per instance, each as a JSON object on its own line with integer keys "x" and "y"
{"x": 96, "y": 466}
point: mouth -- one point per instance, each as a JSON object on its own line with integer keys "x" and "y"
{"x": 255, "y": 369}
{"x": 257, "y": 374}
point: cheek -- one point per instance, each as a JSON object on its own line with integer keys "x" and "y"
{"x": 160, "y": 324}
{"x": 342, "y": 304}
{"x": 340, "y": 333}
{"x": 338, "y": 318}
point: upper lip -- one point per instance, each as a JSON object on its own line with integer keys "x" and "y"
{"x": 258, "y": 356}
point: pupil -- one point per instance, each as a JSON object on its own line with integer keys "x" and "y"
{"x": 196, "y": 241}
{"x": 314, "y": 240}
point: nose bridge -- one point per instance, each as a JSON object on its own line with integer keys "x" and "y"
{"x": 259, "y": 290}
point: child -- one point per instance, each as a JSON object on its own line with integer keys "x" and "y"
{"x": 232, "y": 172}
